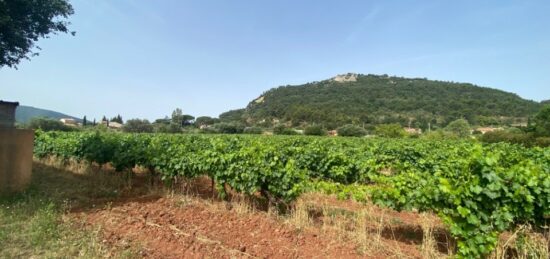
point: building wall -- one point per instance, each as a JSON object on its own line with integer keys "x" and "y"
{"x": 16, "y": 149}
{"x": 7, "y": 115}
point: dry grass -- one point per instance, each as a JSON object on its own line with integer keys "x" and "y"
{"x": 299, "y": 216}
{"x": 429, "y": 245}
{"x": 101, "y": 176}
{"x": 524, "y": 243}
{"x": 362, "y": 225}
{"x": 361, "y": 234}
{"x": 379, "y": 228}
{"x": 241, "y": 205}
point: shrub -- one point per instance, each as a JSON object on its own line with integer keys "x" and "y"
{"x": 315, "y": 130}
{"x": 542, "y": 122}
{"x": 166, "y": 128}
{"x": 228, "y": 127}
{"x": 351, "y": 131}
{"x": 526, "y": 139}
{"x": 440, "y": 135}
{"x": 138, "y": 126}
{"x": 390, "y": 131}
{"x": 282, "y": 130}
{"x": 253, "y": 130}
{"x": 542, "y": 142}
{"x": 460, "y": 127}
{"x": 514, "y": 130}
{"x": 477, "y": 133}
{"x": 209, "y": 130}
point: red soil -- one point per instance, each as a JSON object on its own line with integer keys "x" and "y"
{"x": 167, "y": 230}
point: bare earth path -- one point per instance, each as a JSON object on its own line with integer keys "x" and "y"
{"x": 168, "y": 228}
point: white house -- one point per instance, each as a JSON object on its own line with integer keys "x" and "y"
{"x": 69, "y": 121}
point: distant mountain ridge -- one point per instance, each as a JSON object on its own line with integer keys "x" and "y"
{"x": 378, "y": 99}
{"x": 24, "y": 114}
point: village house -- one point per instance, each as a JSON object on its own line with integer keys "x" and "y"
{"x": 7, "y": 114}
{"x": 519, "y": 125}
{"x": 112, "y": 124}
{"x": 115, "y": 125}
{"x": 484, "y": 130}
{"x": 332, "y": 133}
{"x": 69, "y": 122}
{"x": 413, "y": 130}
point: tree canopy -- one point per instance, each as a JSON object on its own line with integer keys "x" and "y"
{"x": 542, "y": 121}
{"x": 390, "y": 130}
{"x": 138, "y": 126}
{"x": 350, "y": 130}
{"x": 205, "y": 121}
{"x": 315, "y": 130}
{"x": 460, "y": 127}
{"x": 24, "y": 22}
{"x": 181, "y": 119}
{"x": 118, "y": 119}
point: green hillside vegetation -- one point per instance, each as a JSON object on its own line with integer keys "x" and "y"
{"x": 24, "y": 114}
{"x": 381, "y": 99}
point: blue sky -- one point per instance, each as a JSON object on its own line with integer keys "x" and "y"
{"x": 143, "y": 59}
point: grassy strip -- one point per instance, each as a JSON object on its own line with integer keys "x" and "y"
{"x": 31, "y": 226}
{"x": 34, "y": 223}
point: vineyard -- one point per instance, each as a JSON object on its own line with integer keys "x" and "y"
{"x": 479, "y": 191}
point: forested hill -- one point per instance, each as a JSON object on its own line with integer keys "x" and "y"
{"x": 23, "y": 114}
{"x": 374, "y": 99}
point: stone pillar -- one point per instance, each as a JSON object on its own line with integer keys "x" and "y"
{"x": 16, "y": 151}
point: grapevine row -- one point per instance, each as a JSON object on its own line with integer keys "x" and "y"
{"x": 478, "y": 190}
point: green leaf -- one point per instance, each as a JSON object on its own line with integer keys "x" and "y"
{"x": 464, "y": 212}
